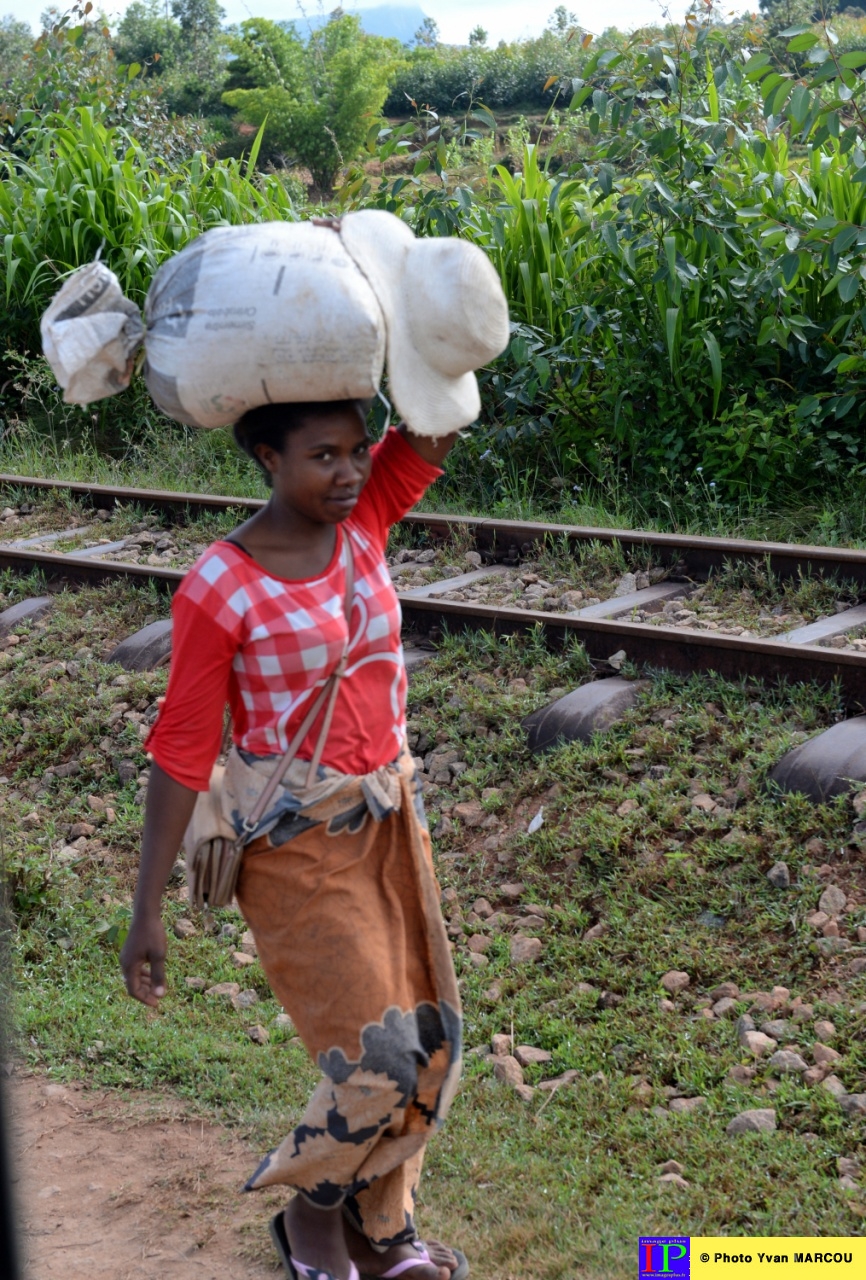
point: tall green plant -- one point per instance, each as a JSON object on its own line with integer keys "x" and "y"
{"x": 87, "y": 189}
{"x": 317, "y": 100}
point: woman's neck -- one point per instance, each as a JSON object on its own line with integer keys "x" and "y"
{"x": 286, "y": 543}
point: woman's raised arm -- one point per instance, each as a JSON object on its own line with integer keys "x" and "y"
{"x": 432, "y": 449}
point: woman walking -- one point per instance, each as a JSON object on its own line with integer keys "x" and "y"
{"x": 337, "y": 883}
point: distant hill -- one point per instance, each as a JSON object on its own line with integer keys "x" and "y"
{"x": 398, "y": 21}
{"x": 394, "y": 21}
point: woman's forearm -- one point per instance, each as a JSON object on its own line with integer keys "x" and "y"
{"x": 169, "y": 809}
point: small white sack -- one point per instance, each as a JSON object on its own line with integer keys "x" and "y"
{"x": 90, "y": 334}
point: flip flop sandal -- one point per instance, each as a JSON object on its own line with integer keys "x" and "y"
{"x": 298, "y": 1270}
{"x": 460, "y": 1272}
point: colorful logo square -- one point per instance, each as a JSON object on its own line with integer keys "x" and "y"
{"x": 663, "y": 1258}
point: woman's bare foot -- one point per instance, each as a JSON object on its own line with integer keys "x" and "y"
{"x": 372, "y": 1263}
{"x": 316, "y": 1238}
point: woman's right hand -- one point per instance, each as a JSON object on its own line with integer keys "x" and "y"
{"x": 169, "y": 807}
{"x": 143, "y": 959}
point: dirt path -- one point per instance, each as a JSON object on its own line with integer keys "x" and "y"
{"x": 129, "y": 1189}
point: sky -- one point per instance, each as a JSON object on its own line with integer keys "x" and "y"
{"x": 502, "y": 19}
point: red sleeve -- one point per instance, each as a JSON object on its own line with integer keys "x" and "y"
{"x": 186, "y": 739}
{"x": 399, "y": 477}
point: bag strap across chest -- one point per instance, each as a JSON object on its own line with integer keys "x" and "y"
{"x": 326, "y": 697}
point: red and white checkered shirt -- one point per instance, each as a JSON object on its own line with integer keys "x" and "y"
{"x": 266, "y": 645}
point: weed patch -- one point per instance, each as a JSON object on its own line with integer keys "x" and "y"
{"x": 651, "y": 856}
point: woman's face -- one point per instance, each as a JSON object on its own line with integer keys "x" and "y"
{"x": 323, "y": 467}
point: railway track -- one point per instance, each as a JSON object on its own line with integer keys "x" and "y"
{"x": 628, "y": 625}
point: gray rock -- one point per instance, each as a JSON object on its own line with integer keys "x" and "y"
{"x": 686, "y": 1106}
{"x": 675, "y": 980}
{"x": 854, "y": 1104}
{"x": 507, "y": 1069}
{"x": 500, "y": 1044}
{"x": 725, "y": 1007}
{"x": 195, "y": 984}
{"x": 127, "y": 770}
{"x": 779, "y": 875}
{"x": 224, "y": 990}
{"x": 833, "y": 901}
{"x": 741, "y": 1075}
{"x": 258, "y": 1034}
{"x": 824, "y": 1056}
{"x": 778, "y": 1029}
{"x": 757, "y": 1043}
{"x": 527, "y": 1055}
{"x": 744, "y": 1023}
{"x": 283, "y": 1022}
{"x": 824, "y": 1029}
{"x": 760, "y": 1120}
{"x": 626, "y": 586}
{"x": 834, "y": 1086}
{"x": 671, "y": 1166}
{"x": 814, "y": 1076}
{"x": 511, "y": 892}
{"x": 786, "y": 1062}
{"x": 184, "y": 928}
{"x": 525, "y": 950}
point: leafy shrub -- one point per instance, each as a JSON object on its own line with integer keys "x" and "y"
{"x": 316, "y": 101}
{"x": 520, "y": 74}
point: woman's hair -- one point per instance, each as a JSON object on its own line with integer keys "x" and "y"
{"x": 270, "y": 423}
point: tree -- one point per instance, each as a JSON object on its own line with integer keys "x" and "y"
{"x": 561, "y": 20}
{"x": 319, "y": 99}
{"x": 16, "y": 44}
{"x": 147, "y": 36}
{"x": 427, "y": 34}
{"x": 478, "y": 37}
{"x": 199, "y": 20}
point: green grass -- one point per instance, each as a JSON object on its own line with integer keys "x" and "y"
{"x": 559, "y": 1187}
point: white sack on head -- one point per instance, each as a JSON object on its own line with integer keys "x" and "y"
{"x": 271, "y": 313}
{"x": 286, "y": 312}
{"x": 90, "y": 334}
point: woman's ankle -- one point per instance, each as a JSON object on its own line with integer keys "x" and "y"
{"x": 316, "y": 1236}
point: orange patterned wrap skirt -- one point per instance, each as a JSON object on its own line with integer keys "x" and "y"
{"x": 343, "y": 902}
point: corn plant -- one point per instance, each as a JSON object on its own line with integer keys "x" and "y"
{"x": 87, "y": 189}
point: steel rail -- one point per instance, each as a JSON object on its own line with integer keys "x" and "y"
{"x": 694, "y": 556}
{"x": 675, "y": 648}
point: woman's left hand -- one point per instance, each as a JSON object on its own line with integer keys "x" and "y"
{"x": 432, "y": 449}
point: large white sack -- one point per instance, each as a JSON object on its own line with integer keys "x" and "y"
{"x": 90, "y": 334}
{"x": 275, "y": 312}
